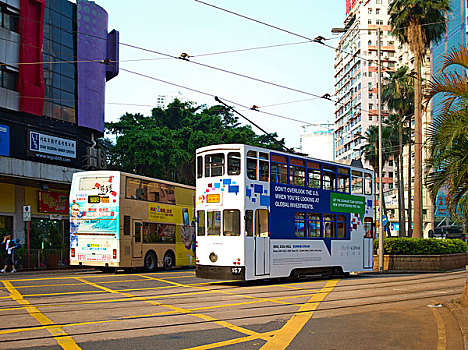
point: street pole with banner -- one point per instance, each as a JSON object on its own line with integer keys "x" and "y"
{"x": 27, "y": 220}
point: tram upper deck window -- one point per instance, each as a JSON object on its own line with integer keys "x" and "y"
{"x": 234, "y": 163}
{"x": 231, "y": 222}
{"x": 367, "y": 183}
{"x": 279, "y": 169}
{"x": 313, "y": 175}
{"x": 252, "y": 165}
{"x": 200, "y": 222}
{"x": 329, "y": 177}
{"x": 214, "y": 223}
{"x": 264, "y": 166}
{"x": 357, "y": 185}
{"x": 199, "y": 167}
{"x": 297, "y": 172}
{"x": 343, "y": 180}
{"x": 214, "y": 165}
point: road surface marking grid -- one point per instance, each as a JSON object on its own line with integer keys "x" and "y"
{"x": 277, "y": 339}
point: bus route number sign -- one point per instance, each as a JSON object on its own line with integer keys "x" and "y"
{"x": 213, "y": 198}
{"x": 94, "y": 199}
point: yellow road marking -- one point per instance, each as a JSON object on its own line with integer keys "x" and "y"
{"x": 181, "y": 310}
{"x": 264, "y": 336}
{"x": 283, "y": 337}
{"x": 441, "y": 334}
{"x": 62, "y": 338}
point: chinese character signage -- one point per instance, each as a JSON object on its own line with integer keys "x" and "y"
{"x": 51, "y": 147}
{"x": 53, "y": 202}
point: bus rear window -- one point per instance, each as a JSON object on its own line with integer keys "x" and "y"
{"x": 214, "y": 165}
{"x": 91, "y": 182}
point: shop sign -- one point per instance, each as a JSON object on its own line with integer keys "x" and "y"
{"x": 53, "y": 202}
{"x": 51, "y": 147}
{"x": 4, "y": 140}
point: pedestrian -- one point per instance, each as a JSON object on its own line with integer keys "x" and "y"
{"x": 9, "y": 245}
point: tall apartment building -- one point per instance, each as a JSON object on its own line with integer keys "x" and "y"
{"x": 51, "y": 108}
{"x": 356, "y": 76}
{"x": 317, "y": 141}
{"x": 162, "y": 101}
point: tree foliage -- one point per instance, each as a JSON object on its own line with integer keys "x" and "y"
{"x": 163, "y": 145}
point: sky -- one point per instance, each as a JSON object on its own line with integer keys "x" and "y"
{"x": 173, "y": 27}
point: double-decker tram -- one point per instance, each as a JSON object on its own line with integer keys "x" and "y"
{"x": 268, "y": 214}
{"x": 120, "y": 220}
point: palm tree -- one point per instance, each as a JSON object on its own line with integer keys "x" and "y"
{"x": 418, "y": 23}
{"x": 448, "y": 137}
{"x": 371, "y": 153}
{"x": 398, "y": 94}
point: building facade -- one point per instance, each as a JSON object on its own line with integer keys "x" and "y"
{"x": 317, "y": 141}
{"x": 55, "y": 59}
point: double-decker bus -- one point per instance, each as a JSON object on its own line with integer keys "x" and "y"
{"x": 120, "y": 220}
{"x": 268, "y": 214}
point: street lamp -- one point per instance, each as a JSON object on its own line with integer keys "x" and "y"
{"x": 379, "y": 99}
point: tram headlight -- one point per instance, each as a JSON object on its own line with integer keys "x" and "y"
{"x": 213, "y": 257}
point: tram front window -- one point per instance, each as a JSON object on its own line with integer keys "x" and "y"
{"x": 214, "y": 165}
{"x": 214, "y": 223}
{"x": 231, "y": 222}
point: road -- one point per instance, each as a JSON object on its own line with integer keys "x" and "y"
{"x": 176, "y": 310}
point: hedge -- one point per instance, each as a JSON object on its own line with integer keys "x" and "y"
{"x": 421, "y": 246}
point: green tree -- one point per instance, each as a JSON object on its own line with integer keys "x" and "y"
{"x": 418, "y": 23}
{"x": 448, "y": 136}
{"x": 163, "y": 145}
{"x": 398, "y": 94}
{"x": 370, "y": 150}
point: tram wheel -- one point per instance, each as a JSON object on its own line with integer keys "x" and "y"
{"x": 151, "y": 262}
{"x": 169, "y": 260}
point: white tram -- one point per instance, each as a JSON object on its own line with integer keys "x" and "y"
{"x": 269, "y": 214}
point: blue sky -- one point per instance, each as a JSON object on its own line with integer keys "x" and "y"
{"x": 176, "y": 26}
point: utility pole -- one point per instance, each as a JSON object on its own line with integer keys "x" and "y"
{"x": 379, "y": 92}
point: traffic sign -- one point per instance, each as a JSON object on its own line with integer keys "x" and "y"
{"x": 384, "y": 219}
{"x": 26, "y": 213}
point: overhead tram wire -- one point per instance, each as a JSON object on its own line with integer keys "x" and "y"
{"x": 258, "y": 127}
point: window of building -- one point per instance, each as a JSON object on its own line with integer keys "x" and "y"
{"x": 234, "y": 163}
{"x": 9, "y": 17}
{"x": 214, "y": 165}
{"x": 369, "y": 10}
{"x": 214, "y": 223}
{"x": 314, "y": 225}
{"x": 200, "y": 222}
{"x": 379, "y": 22}
{"x": 8, "y": 77}
{"x": 231, "y": 222}
{"x": 300, "y": 224}
{"x": 377, "y": 11}
{"x": 369, "y": 21}
{"x": 249, "y": 223}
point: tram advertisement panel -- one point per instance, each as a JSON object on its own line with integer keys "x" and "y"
{"x": 94, "y": 213}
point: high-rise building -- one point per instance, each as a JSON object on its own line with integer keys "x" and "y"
{"x": 162, "y": 101}
{"x": 356, "y": 76}
{"x": 317, "y": 141}
{"x": 55, "y": 59}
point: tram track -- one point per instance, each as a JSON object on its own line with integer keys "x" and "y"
{"x": 197, "y": 321}
{"x": 254, "y": 294}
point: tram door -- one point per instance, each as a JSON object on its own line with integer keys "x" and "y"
{"x": 368, "y": 245}
{"x": 137, "y": 239}
{"x": 262, "y": 242}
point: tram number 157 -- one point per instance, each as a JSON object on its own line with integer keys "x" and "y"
{"x": 236, "y": 270}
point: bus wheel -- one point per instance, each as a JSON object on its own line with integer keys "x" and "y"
{"x": 151, "y": 262}
{"x": 169, "y": 260}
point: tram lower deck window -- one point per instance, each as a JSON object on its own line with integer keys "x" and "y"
{"x": 231, "y": 222}
{"x": 214, "y": 223}
{"x": 200, "y": 222}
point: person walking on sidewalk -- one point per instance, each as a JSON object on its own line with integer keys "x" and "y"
{"x": 9, "y": 245}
